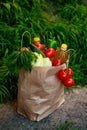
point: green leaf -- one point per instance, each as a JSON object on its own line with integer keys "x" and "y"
{"x": 4, "y": 93}
{"x": 8, "y": 6}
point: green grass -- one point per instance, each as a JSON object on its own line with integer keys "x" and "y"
{"x": 69, "y": 125}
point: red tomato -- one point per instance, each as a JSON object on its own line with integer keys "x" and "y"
{"x": 50, "y": 52}
{"x": 69, "y": 82}
{"x": 57, "y": 62}
{"x": 62, "y": 75}
{"x": 69, "y": 71}
{"x": 39, "y": 46}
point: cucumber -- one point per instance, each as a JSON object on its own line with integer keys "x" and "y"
{"x": 35, "y": 49}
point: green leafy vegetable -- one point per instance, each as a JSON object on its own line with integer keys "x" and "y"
{"x": 22, "y": 59}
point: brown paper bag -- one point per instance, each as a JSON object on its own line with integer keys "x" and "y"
{"x": 40, "y": 92}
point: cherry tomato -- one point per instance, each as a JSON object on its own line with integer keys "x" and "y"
{"x": 39, "y": 46}
{"x": 57, "y": 62}
{"x": 62, "y": 75}
{"x": 69, "y": 82}
{"x": 69, "y": 71}
{"x": 50, "y": 52}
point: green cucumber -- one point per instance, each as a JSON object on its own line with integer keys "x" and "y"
{"x": 35, "y": 49}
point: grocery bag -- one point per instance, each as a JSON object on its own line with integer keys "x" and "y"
{"x": 40, "y": 92}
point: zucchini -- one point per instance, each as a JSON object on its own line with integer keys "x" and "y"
{"x": 35, "y": 49}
